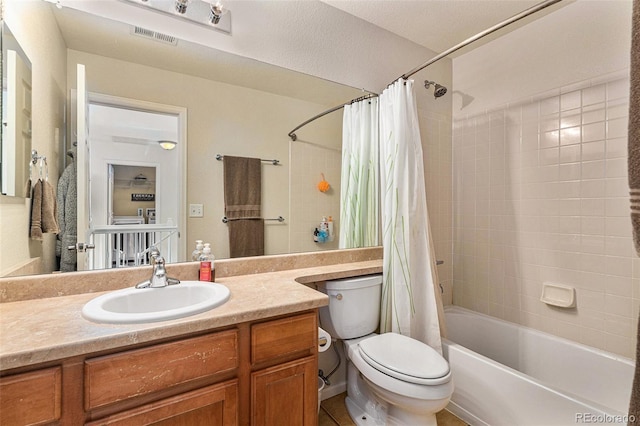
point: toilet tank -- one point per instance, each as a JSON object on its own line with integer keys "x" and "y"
{"x": 354, "y": 306}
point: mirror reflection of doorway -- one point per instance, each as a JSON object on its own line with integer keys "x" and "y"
{"x": 135, "y": 182}
{"x": 132, "y": 191}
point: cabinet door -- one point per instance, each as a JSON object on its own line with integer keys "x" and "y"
{"x": 286, "y": 394}
{"x": 215, "y": 405}
{"x": 31, "y": 398}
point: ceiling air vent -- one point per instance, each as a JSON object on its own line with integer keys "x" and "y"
{"x": 154, "y": 35}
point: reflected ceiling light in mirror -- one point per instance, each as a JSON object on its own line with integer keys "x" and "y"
{"x": 217, "y": 10}
{"x": 168, "y": 145}
{"x": 181, "y": 6}
{"x": 212, "y": 14}
{"x": 56, "y": 2}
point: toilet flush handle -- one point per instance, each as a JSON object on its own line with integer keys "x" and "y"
{"x": 337, "y": 296}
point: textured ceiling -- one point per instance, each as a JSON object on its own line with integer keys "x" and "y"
{"x": 337, "y": 40}
{"x": 92, "y": 34}
{"x": 434, "y": 24}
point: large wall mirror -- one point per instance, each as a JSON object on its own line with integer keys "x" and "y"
{"x": 15, "y": 157}
{"x": 225, "y": 104}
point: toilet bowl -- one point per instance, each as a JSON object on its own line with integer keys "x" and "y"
{"x": 391, "y": 379}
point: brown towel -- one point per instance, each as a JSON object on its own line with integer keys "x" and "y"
{"x": 49, "y": 209}
{"x": 27, "y": 188}
{"x": 242, "y": 200}
{"x": 242, "y": 187}
{"x": 634, "y": 180}
{"x": 36, "y": 212}
{"x": 246, "y": 237}
{"x": 43, "y": 210}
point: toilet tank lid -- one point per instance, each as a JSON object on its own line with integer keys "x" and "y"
{"x": 354, "y": 282}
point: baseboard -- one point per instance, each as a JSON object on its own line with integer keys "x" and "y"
{"x": 333, "y": 390}
{"x": 463, "y": 414}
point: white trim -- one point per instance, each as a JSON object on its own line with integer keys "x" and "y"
{"x": 181, "y": 112}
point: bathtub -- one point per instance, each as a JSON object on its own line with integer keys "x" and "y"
{"x": 507, "y": 374}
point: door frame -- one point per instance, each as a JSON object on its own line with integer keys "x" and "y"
{"x": 181, "y": 113}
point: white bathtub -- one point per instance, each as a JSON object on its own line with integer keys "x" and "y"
{"x": 507, "y": 374}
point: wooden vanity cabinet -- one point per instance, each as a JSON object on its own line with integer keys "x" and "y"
{"x": 260, "y": 373}
{"x": 215, "y": 405}
{"x": 285, "y": 369}
{"x": 130, "y": 374}
{"x": 33, "y": 398}
{"x": 286, "y": 395}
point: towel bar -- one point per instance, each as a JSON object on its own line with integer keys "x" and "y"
{"x": 220, "y": 157}
{"x": 226, "y": 219}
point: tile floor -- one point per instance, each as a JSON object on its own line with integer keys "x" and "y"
{"x": 333, "y": 412}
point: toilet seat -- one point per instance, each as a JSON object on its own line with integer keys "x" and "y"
{"x": 405, "y": 359}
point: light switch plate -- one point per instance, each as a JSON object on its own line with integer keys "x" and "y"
{"x": 196, "y": 210}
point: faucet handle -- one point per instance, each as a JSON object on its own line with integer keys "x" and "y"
{"x": 159, "y": 261}
{"x": 154, "y": 253}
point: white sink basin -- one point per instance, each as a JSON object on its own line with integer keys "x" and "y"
{"x": 140, "y": 305}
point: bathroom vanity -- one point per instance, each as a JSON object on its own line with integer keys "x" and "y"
{"x": 252, "y": 360}
{"x": 260, "y": 373}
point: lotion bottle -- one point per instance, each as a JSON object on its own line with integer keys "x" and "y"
{"x": 207, "y": 267}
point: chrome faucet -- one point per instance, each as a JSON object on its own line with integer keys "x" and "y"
{"x": 159, "y": 276}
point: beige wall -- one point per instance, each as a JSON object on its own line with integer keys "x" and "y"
{"x": 34, "y": 26}
{"x": 222, "y": 119}
{"x": 539, "y": 167}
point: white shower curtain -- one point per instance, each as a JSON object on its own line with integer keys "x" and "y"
{"x": 359, "y": 207}
{"x": 410, "y": 305}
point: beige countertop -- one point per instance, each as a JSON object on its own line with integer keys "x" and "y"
{"x": 42, "y": 330}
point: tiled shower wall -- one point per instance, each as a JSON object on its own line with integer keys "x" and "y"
{"x": 435, "y": 131}
{"x": 540, "y": 195}
{"x": 308, "y": 205}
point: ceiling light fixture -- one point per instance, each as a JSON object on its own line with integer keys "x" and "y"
{"x": 217, "y": 11}
{"x": 168, "y": 145}
{"x": 181, "y": 6}
{"x": 56, "y": 2}
{"x": 212, "y": 14}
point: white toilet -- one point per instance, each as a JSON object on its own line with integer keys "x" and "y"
{"x": 391, "y": 379}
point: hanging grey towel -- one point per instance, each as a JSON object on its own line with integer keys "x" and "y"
{"x": 242, "y": 202}
{"x": 67, "y": 200}
{"x": 634, "y": 180}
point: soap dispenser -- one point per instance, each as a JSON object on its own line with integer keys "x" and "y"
{"x": 195, "y": 255}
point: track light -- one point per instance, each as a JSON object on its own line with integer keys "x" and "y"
{"x": 217, "y": 11}
{"x": 181, "y": 6}
{"x": 208, "y": 13}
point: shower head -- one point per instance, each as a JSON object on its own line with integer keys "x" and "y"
{"x": 438, "y": 90}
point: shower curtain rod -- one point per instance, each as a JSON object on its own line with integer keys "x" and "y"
{"x": 533, "y": 9}
{"x": 292, "y": 134}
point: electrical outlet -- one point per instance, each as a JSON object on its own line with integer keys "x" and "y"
{"x": 196, "y": 210}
